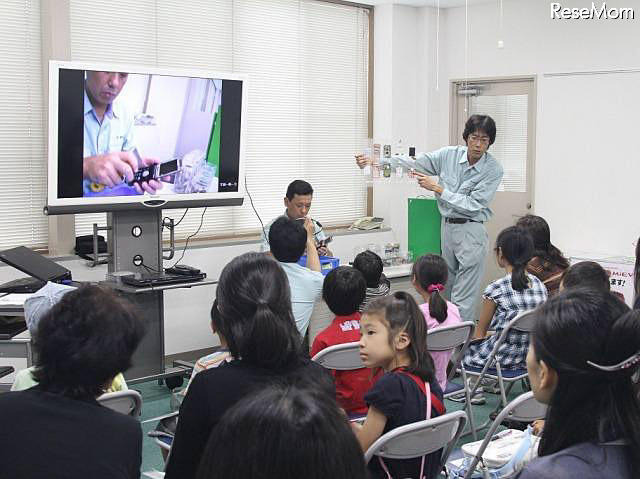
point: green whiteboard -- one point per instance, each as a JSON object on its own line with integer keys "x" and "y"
{"x": 424, "y": 226}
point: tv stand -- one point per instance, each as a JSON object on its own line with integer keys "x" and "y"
{"x": 134, "y": 243}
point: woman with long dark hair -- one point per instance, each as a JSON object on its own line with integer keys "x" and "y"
{"x": 252, "y": 311}
{"x": 548, "y": 262}
{"x": 583, "y": 358}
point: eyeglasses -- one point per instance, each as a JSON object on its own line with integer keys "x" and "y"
{"x": 479, "y": 139}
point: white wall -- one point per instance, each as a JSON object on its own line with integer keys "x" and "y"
{"x": 402, "y": 96}
{"x": 536, "y": 44}
{"x": 533, "y": 45}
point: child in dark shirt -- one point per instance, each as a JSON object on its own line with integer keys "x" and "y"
{"x": 370, "y": 265}
{"x": 394, "y": 338}
{"x": 343, "y": 291}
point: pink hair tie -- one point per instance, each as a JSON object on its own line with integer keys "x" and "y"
{"x": 435, "y": 287}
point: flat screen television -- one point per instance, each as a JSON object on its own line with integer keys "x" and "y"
{"x": 130, "y": 137}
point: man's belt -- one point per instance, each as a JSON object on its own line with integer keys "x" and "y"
{"x": 460, "y": 221}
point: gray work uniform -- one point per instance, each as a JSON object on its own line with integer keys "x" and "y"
{"x": 468, "y": 190}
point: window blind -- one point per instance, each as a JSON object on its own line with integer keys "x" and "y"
{"x": 23, "y": 162}
{"x": 510, "y": 112}
{"x": 307, "y": 63}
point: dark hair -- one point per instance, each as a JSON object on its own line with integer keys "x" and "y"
{"x": 516, "y": 246}
{"x": 401, "y": 313}
{"x": 287, "y": 239}
{"x": 428, "y": 270}
{"x": 370, "y": 265}
{"x": 254, "y": 312}
{"x": 539, "y": 230}
{"x": 298, "y": 187}
{"x": 587, "y": 274}
{"x": 84, "y": 341}
{"x": 636, "y": 277}
{"x": 589, "y": 405}
{"x": 343, "y": 290}
{"x": 482, "y": 123}
{"x": 285, "y": 433}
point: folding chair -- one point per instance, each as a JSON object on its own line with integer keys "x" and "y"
{"x": 161, "y": 436}
{"x": 456, "y": 338}
{"x": 420, "y": 438}
{"x": 522, "y": 322}
{"x": 127, "y": 402}
{"x": 341, "y": 357}
{"x": 524, "y": 408}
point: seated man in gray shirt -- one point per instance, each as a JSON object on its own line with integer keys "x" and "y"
{"x": 297, "y": 204}
{"x": 288, "y": 240}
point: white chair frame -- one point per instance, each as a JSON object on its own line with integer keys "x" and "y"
{"x": 457, "y": 338}
{"x": 420, "y": 438}
{"x": 127, "y": 402}
{"x": 524, "y": 408}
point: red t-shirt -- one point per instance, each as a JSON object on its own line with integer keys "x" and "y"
{"x": 351, "y": 386}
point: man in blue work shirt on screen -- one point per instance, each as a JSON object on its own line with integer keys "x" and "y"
{"x": 468, "y": 179}
{"x": 108, "y": 160}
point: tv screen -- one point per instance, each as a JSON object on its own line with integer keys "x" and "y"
{"x": 134, "y": 137}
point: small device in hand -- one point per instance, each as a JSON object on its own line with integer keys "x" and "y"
{"x": 183, "y": 269}
{"x": 323, "y": 243}
{"x": 155, "y": 172}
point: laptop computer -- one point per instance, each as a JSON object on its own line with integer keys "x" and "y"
{"x": 161, "y": 279}
{"x": 35, "y": 264}
{"x": 22, "y": 285}
{"x": 9, "y": 330}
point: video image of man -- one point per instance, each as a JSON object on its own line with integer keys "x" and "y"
{"x": 150, "y": 134}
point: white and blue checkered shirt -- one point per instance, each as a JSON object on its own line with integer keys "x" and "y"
{"x": 509, "y": 303}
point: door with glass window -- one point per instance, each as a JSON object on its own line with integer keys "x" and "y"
{"x": 512, "y": 104}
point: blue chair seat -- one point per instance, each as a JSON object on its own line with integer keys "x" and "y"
{"x": 453, "y": 388}
{"x": 506, "y": 373}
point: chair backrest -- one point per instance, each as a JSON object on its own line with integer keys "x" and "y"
{"x": 524, "y": 408}
{"x": 341, "y": 357}
{"x": 524, "y": 321}
{"x": 447, "y": 338}
{"x": 127, "y": 402}
{"x": 420, "y": 438}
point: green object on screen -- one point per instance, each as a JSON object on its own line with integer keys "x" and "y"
{"x": 424, "y": 227}
{"x": 213, "y": 154}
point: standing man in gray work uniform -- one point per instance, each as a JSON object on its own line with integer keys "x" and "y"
{"x": 468, "y": 179}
